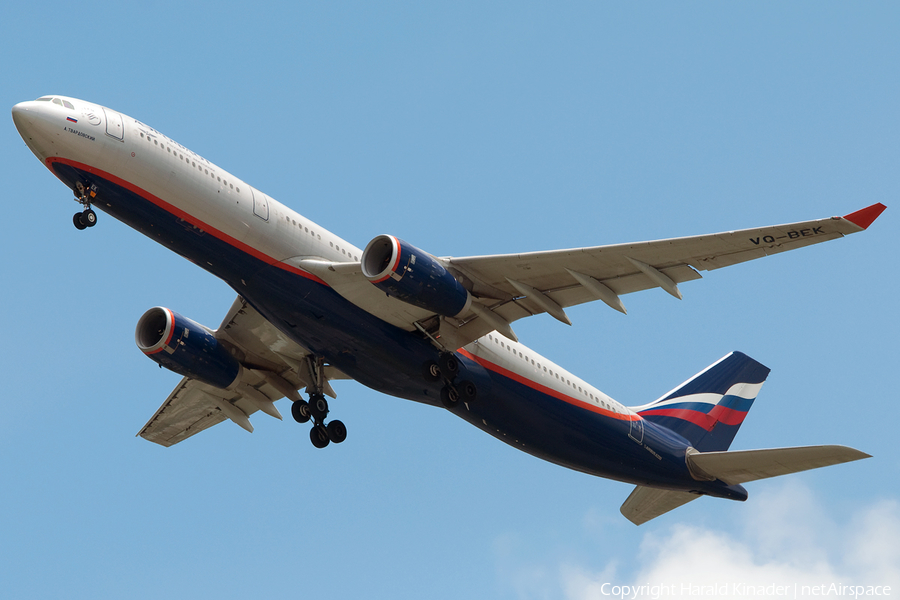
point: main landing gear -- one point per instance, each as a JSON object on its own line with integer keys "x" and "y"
{"x": 316, "y": 409}
{"x": 87, "y": 217}
{"x": 446, "y": 368}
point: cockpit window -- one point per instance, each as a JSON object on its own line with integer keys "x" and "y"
{"x": 58, "y": 101}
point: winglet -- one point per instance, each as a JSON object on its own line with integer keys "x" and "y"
{"x": 866, "y": 216}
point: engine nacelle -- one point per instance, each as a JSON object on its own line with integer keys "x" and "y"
{"x": 414, "y": 276}
{"x": 186, "y": 347}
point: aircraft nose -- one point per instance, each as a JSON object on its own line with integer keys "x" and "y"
{"x": 32, "y": 122}
{"x": 21, "y": 117}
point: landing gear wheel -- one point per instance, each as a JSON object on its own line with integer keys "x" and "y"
{"x": 449, "y": 396}
{"x": 79, "y": 224}
{"x": 89, "y": 217}
{"x": 337, "y": 432}
{"x": 467, "y": 391}
{"x": 449, "y": 365}
{"x": 318, "y": 407}
{"x": 300, "y": 411}
{"x": 318, "y": 435}
{"x": 431, "y": 371}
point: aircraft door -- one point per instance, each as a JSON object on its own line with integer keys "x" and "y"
{"x": 260, "y": 204}
{"x": 636, "y": 431}
{"x": 114, "y": 127}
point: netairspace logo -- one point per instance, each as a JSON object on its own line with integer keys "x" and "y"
{"x": 785, "y": 545}
{"x": 741, "y": 590}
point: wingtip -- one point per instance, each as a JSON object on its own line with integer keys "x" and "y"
{"x": 866, "y": 216}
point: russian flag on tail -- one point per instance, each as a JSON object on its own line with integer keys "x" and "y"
{"x": 709, "y": 408}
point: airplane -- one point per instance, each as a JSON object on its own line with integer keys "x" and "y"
{"x": 312, "y": 308}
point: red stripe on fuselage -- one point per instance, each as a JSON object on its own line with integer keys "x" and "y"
{"x": 546, "y": 390}
{"x": 173, "y": 210}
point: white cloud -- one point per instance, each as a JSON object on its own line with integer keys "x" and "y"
{"x": 786, "y": 539}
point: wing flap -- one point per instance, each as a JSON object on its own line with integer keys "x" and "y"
{"x": 187, "y": 411}
{"x": 646, "y": 503}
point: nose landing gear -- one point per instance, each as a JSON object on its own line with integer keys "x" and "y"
{"x": 87, "y": 217}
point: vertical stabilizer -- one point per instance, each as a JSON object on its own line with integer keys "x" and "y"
{"x": 709, "y": 408}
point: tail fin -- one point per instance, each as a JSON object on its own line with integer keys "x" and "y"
{"x": 709, "y": 408}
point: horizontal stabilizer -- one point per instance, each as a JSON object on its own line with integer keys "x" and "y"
{"x": 749, "y": 465}
{"x": 647, "y": 503}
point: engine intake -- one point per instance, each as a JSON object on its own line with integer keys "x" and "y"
{"x": 186, "y": 347}
{"x": 414, "y": 276}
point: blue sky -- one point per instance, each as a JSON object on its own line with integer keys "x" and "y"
{"x": 464, "y": 128}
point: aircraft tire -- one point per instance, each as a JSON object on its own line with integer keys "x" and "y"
{"x": 337, "y": 431}
{"x": 300, "y": 411}
{"x": 79, "y": 224}
{"x": 318, "y": 435}
{"x": 431, "y": 371}
{"x": 318, "y": 407}
{"x": 89, "y": 218}
{"x": 449, "y": 397}
{"x": 449, "y": 365}
{"x": 468, "y": 392}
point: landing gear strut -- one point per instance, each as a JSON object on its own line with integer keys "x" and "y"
{"x": 87, "y": 217}
{"x": 316, "y": 409}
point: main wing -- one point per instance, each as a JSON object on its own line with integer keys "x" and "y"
{"x": 273, "y": 367}
{"x": 508, "y": 287}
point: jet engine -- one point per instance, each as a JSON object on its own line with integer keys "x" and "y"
{"x": 403, "y": 271}
{"x": 186, "y": 347}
